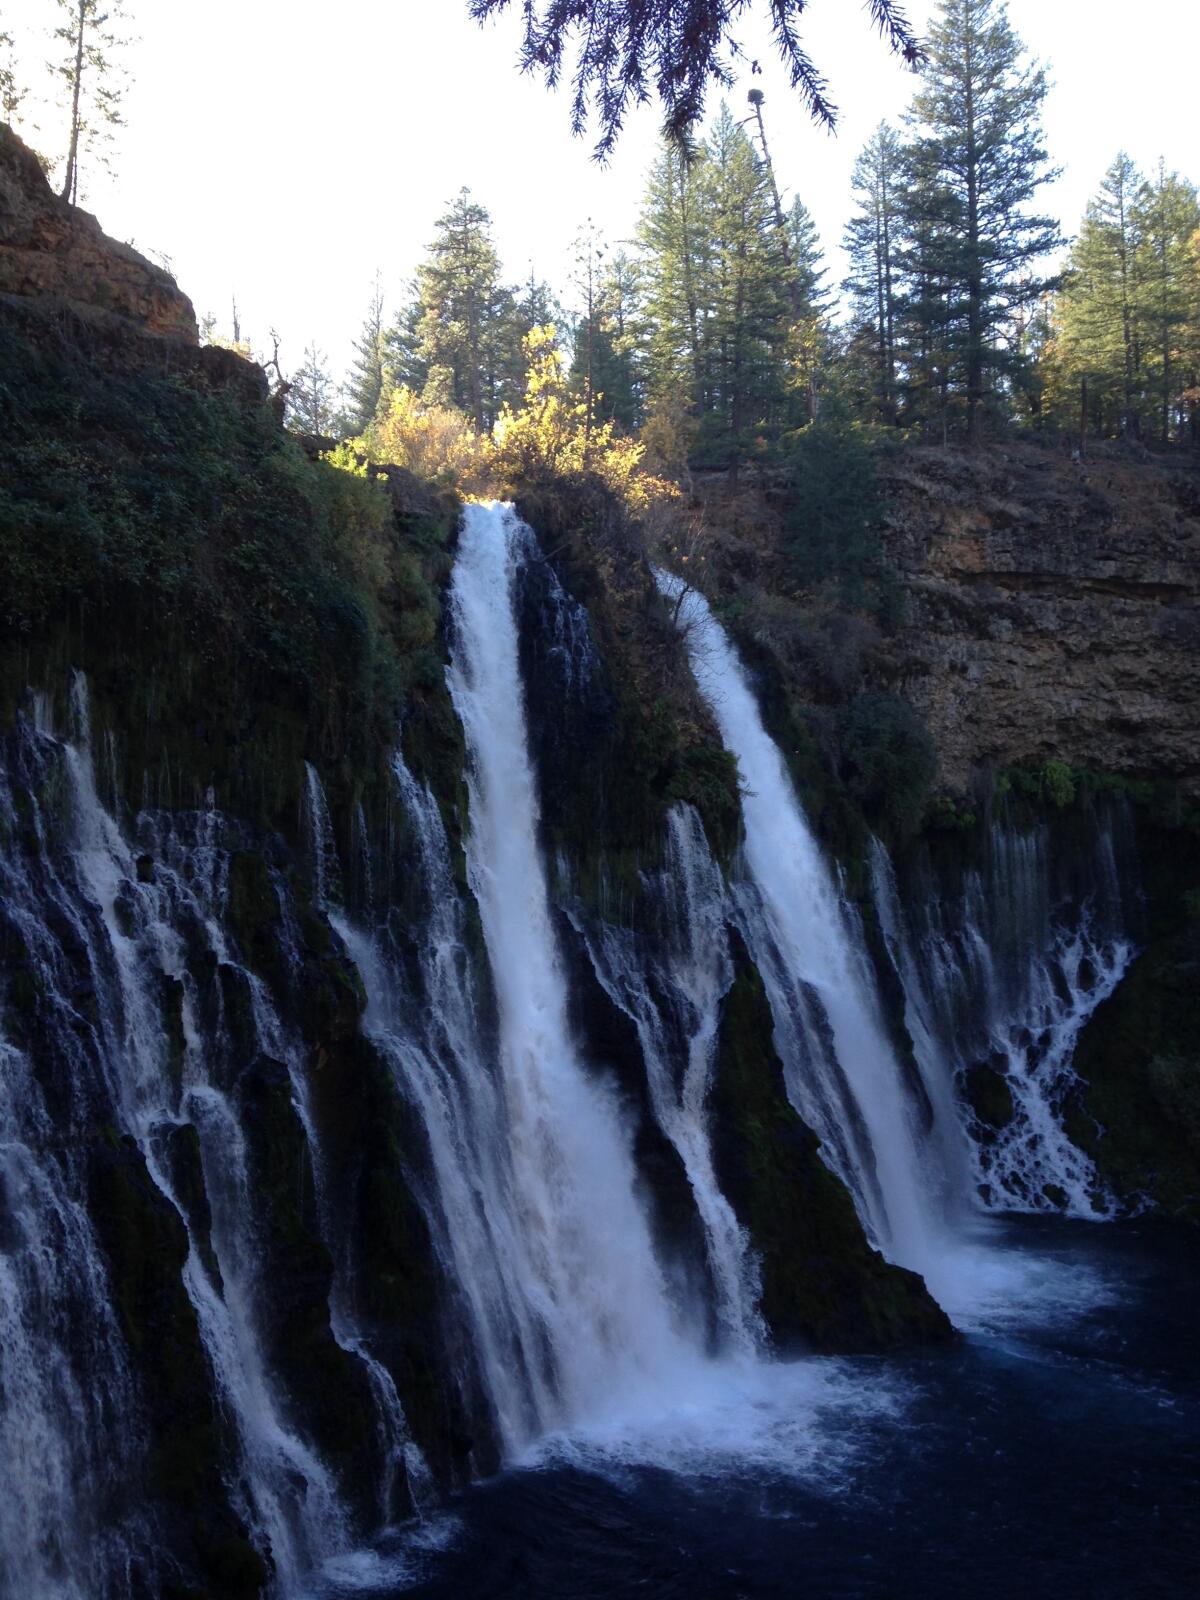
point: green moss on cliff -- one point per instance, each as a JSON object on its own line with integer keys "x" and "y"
{"x": 238, "y": 606}
{"x": 656, "y": 745}
{"x": 1138, "y": 1113}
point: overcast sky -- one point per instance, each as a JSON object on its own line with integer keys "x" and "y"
{"x": 285, "y": 149}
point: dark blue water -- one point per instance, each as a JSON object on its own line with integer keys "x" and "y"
{"x": 1052, "y": 1453}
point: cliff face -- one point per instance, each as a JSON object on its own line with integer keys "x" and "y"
{"x": 1053, "y": 610}
{"x": 55, "y": 254}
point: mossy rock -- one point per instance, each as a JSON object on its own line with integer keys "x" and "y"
{"x": 823, "y": 1287}
{"x": 1137, "y": 1113}
{"x": 190, "y": 1449}
{"x": 989, "y": 1096}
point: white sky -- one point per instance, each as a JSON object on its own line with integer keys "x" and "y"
{"x": 284, "y": 149}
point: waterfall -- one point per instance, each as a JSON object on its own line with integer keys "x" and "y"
{"x": 597, "y": 1290}
{"x": 673, "y": 994}
{"x": 69, "y": 1415}
{"x": 115, "y": 934}
{"x": 292, "y": 1499}
{"x": 999, "y": 976}
{"x": 842, "y": 1073}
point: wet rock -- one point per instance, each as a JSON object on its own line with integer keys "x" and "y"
{"x": 989, "y": 1096}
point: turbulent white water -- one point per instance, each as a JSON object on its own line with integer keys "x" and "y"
{"x": 598, "y": 1288}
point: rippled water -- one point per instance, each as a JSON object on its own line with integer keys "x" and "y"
{"x": 1055, "y": 1452}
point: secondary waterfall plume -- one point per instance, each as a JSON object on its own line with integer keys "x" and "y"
{"x": 842, "y": 1073}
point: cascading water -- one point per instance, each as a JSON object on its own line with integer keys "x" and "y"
{"x": 998, "y": 980}
{"x": 68, "y": 1409}
{"x": 111, "y": 931}
{"x": 598, "y": 1291}
{"x": 842, "y": 1073}
{"x": 673, "y": 996}
{"x": 292, "y": 1500}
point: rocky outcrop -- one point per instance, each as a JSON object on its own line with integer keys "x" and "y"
{"x": 1047, "y": 609}
{"x": 59, "y": 256}
{"x": 1053, "y": 609}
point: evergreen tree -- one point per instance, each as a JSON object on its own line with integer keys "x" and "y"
{"x": 312, "y": 398}
{"x": 368, "y": 374}
{"x": 89, "y": 72}
{"x": 1190, "y": 343}
{"x": 467, "y": 334}
{"x": 806, "y": 262}
{"x": 979, "y": 146}
{"x": 586, "y": 277}
{"x": 1095, "y": 358}
{"x": 404, "y": 363}
{"x": 1166, "y": 216}
{"x": 930, "y": 321}
{"x": 872, "y": 241}
{"x": 749, "y": 296}
{"x": 674, "y": 237}
{"x": 810, "y": 347}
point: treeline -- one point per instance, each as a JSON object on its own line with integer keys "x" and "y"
{"x": 715, "y": 336}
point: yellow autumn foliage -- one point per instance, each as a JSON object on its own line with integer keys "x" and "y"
{"x": 433, "y": 441}
{"x": 552, "y": 434}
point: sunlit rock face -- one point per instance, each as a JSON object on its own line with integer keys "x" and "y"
{"x": 54, "y": 252}
{"x": 1053, "y": 609}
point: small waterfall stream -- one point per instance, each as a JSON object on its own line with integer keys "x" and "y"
{"x": 842, "y": 1073}
{"x": 998, "y": 979}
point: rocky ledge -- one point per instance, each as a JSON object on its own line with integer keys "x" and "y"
{"x": 57, "y": 256}
{"x": 1053, "y": 609}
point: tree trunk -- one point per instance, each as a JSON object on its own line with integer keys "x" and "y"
{"x": 974, "y": 270}
{"x": 70, "y": 182}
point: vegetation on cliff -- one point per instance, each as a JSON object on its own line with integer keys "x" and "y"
{"x": 152, "y": 510}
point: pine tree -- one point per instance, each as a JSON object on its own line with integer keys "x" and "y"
{"x": 89, "y": 70}
{"x": 311, "y": 399}
{"x": 810, "y": 348}
{"x": 930, "y": 322}
{"x": 404, "y": 362}
{"x": 747, "y": 316}
{"x": 979, "y": 144}
{"x": 368, "y": 374}
{"x": 589, "y": 250}
{"x": 468, "y": 333}
{"x": 1190, "y": 342}
{"x": 1166, "y": 215}
{"x": 1095, "y": 355}
{"x": 872, "y": 242}
{"x": 673, "y": 234}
